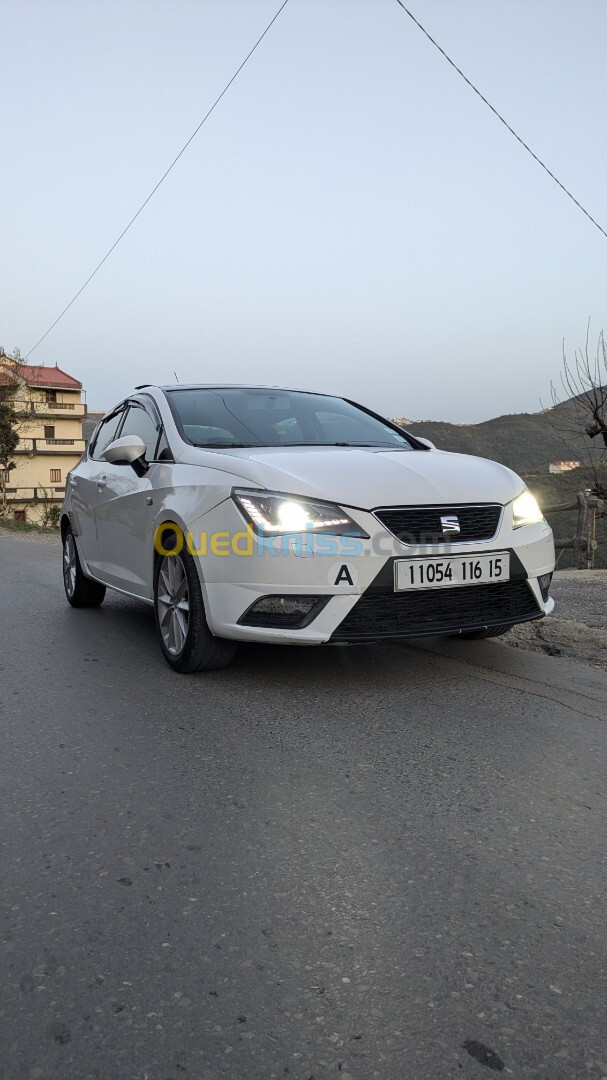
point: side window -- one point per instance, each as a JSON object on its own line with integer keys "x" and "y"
{"x": 139, "y": 422}
{"x": 106, "y": 434}
{"x": 163, "y": 451}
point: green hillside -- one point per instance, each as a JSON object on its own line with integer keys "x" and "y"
{"x": 525, "y": 442}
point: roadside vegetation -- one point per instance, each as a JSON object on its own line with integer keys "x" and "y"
{"x": 10, "y": 525}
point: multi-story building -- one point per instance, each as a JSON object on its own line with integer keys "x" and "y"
{"x": 50, "y": 410}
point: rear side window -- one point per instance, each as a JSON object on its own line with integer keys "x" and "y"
{"x": 106, "y": 434}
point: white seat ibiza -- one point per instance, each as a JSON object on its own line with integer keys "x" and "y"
{"x": 245, "y": 513}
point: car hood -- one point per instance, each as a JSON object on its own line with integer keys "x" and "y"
{"x": 367, "y": 477}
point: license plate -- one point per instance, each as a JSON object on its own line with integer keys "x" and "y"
{"x": 457, "y": 570}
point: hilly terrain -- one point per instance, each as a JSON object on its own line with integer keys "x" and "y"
{"x": 525, "y": 442}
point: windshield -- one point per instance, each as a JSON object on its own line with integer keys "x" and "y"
{"x": 246, "y": 417}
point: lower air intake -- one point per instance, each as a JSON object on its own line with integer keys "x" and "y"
{"x": 380, "y": 615}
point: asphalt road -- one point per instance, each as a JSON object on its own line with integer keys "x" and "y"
{"x": 370, "y": 862}
{"x": 582, "y": 596}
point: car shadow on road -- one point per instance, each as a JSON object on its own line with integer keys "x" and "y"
{"x": 133, "y": 623}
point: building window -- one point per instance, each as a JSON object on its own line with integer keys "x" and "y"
{"x": 55, "y": 476}
{"x": 49, "y": 431}
{"x": 50, "y": 395}
{"x": 7, "y": 476}
{"x": 20, "y": 515}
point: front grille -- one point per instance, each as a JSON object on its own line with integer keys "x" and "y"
{"x": 437, "y": 611}
{"x": 422, "y": 524}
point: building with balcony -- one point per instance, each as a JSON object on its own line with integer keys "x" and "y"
{"x": 50, "y": 411}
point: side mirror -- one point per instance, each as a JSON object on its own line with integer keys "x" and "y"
{"x": 426, "y": 442}
{"x": 129, "y": 450}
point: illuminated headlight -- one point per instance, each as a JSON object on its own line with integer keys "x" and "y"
{"x": 272, "y": 512}
{"x": 526, "y": 510}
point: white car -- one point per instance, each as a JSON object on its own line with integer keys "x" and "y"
{"x": 246, "y": 513}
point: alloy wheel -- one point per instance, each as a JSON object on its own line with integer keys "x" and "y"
{"x": 173, "y": 602}
{"x": 69, "y": 564}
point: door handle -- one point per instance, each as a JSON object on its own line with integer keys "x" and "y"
{"x": 73, "y": 483}
{"x": 102, "y": 481}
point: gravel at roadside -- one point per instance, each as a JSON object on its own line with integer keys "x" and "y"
{"x": 578, "y": 628}
{"x": 42, "y": 536}
{"x": 582, "y": 595}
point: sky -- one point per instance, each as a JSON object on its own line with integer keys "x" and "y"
{"x": 351, "y": 219}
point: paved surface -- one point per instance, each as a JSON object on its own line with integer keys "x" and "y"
{"x": 582, "y": 595}
{"x": 375, "y": 862}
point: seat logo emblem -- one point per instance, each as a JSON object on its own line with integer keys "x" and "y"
{"x": 450, "y": 524}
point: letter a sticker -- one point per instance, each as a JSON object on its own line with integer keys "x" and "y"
{"x": 342, "y": 574}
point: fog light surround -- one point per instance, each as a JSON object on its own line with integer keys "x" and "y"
{"x": 287, "y": 612}
{"x": 544, "y": 584}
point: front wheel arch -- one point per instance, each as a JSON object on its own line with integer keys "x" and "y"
{"x": 156, "y": 553}
{"x": 201, "y": 651}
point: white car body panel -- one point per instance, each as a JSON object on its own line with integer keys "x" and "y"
{"x": 350, "y": 476}
{"x": 122, "y": 525}
{"x": 115, "y": 522}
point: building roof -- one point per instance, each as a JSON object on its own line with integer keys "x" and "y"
{"x": 49, "y": 377}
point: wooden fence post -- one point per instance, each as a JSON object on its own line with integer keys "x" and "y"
{"x": 582, "y": 534}
{"x": 582, "y": 543}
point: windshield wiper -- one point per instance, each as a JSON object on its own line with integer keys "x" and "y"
{"x": 278, "y": 446}
{"x": 382, "y": 446}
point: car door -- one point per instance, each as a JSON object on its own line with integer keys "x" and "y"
{"x": 84, "y": 487}
{"x": 124, "y": 509}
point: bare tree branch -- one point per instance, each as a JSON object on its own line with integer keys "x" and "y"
{"x": 579, "y": 408}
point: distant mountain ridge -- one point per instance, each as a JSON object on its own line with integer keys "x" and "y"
{"x": 525, "y": 442}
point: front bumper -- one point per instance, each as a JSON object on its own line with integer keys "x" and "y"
{"x": 364, "y": 605}
{"x": 381, "y": 613}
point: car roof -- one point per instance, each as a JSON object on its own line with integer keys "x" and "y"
{"x": 235, "y": 386}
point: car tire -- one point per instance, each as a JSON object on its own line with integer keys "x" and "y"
{"x": 185, "y": 639}
{"x": 81, "y": 591}
{"x": 488, "y": 632}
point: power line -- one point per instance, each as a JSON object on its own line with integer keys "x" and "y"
{"x": 161, "y": 181}
{"x": 501, "y": 118}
